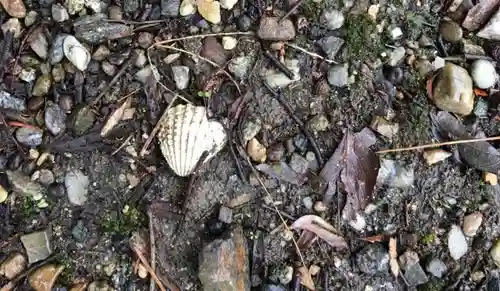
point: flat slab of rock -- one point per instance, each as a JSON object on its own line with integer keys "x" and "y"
{"x": 271, "y": 29}
{"x": 38, "y": 245}
{"x": 331, "y": 45}
{"x": 224, "y": 263}
{"x": 492, "y": 29}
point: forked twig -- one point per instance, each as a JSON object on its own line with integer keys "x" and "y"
{"x": 433, "y": 145}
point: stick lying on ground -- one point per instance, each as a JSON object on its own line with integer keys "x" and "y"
{"x": 434, "y": 145}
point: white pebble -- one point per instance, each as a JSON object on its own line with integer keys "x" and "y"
{"x": 457, "y": 244}
{"x": 483, "y": 73}
{"x": 396, "y": 33}
{"x": 229, "y": 42}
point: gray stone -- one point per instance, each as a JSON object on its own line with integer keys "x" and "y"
{"x": 338, "y": 75}
{"x": 46, "y": 177}
{"x": 250, "y": 129}
{"x": 130, "y": 6}
{"x": 76, "y": 184}
{"x": 80, "y": 231}
{"x": 181, "y": 76}
{"x": 281, "y": 274}
{"x": 24, "y": 186}
{"x": 457, "y": 244}
{"x": 451, "y": 31}
{"x": 437, "y": 268}
{"x": 271, "y": 29}
{"x": 332, "y": 19}
{"x": 56, "y": 53}
{"x": 331, "y": 45}
{"x": 30, "y": 137}
{"x": 240, "y": 66}
{"x": 11, "y": 102}
{"x": 59, "y": 13}
{"x": 492, "y": 29}
{"x": 226, "y": 214}
{"x": 299, "y": 164}
{"x": 94, "y": 30}
{"x": 493, "y": 284}
{"x": 38, "y": 245}
{"x": 213, "y": 51}
{"x": 38, "y": 43}
{"x": 170, "y": 8}
{"x": 101, "y": 53}
{"x": 395, "y": 174}
{"x": 82, "y": 119}
{"x": 415, "y": 275}
{"x": 308, "y": 202}
{"x": 272, "y": 287}
{"x": 74, "y": 6}
{"x": 108, "y": 68}
{"x": 145, "y": 39}
{"x": 97, "y": 6}
{"x": 408, "y": 259}
{"x": 373, "y": 259}
{"x": 276, "y": 79}
{"x": 396, "y": 56}
{"x": 55, "y": 119}
{"x": 30, "y": 18}
{"x": 224, "y": 263}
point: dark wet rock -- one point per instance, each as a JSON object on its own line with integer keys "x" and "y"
{"x": 451, "y": 31}
{"x": 38, "y": 42}
{"x": 38, "y": 245}
{"x": 27, "y": 168}
{"x": 15, "y": 162}
{"x": 55, "y": 119}
{"x": 58, "y": 73}
{"x": 213, "y": 51}
{"x": 108, "y": 68}
{"x": 493, "y": 284}
{"x": 35, "y": 103}
{"x": 42, "y": 85}
{"x": 275, "y": 152}
{"x": 23, "y": 185}
{"x": 271, "y": 29}
{"x": 332, "y": 19}
{"x": 66, "y": 102}
{"x": 373, "y": 259}
{"x": 181, "y": 76}
{"x": 240, "y": 66}
{"x": 300, "y": 142}
{"x": 215, "y": 227}
{"x": 331, "y": 45}
{"x": 57, "y": 190}
{"x": 145, "y": 39}
{"x": 244, "y": 23}
{"x": 119, "y": 58}
{"x": 4, "y": 161}
{"x": 437, "y": 268}
{"x": 59, "y": 13}
{"x": 226, "y": 214}
{"x": 338, "y": 75}
{"x": 99, "y": 286}
{"x": 130, "y": 6}
{"x": 82, "y": 119}
{"x": 224, "y": 263}
{"x": 30, "y": 137}
{"x": 80, "y": 231}
{"x": 415, "y": 275}
{"x": 9, "y": 101}
{"x": 394, "y": 74}
{"x": 170, "y": 8}
{"x": 299, "y": 164}
{"x": 93, "y": 30}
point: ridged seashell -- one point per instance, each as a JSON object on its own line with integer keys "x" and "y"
{"x": 76, "y": 53}
{"x": 186, "y": 134}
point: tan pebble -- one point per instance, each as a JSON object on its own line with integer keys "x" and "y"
{"x": 43, "y": 278}
{"x": 319, "y": 206}
{"x": 314, "y": 269}
{"x": 472, "y": 222}
{"x": 490, "y": 178}
{"x": 256, "y": 151}
{"x": 141, "y": 271}
{"x": 13, "y": 265}
{"x": 435, "y": 156}
{"x": 3, "y": 194}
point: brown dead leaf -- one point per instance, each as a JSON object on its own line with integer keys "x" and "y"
{"x": 305, "y": 278}
{"x": 115, "y": 117}
{"x": 321, "y": 228}
{"x": 479, "y": 14}
{"x": 393, "y": 255}
{"x": 375, "y": 238}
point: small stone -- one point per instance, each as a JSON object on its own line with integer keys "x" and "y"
{"x": 35, "y": 103}
{"x": 144, "y": 74}
{"x": 76, "y": 187}
{"x": 29, "y": 137}
{"x": 30, "y": 18}
{"x": 277, "y": 79}
{"x": 187, "y": 8}
{"x": 108, "y": 68}
{"x": 38, "y": 43}
{"x": 287, "y": 235}
{"x": 145, "y": 39}
{"x": 396, "y": 56}
{"x": 432, "y": 157}
{"x": 229, "y": 42}
{"x": 338, "y": 75}
{"x": 415, "y": 275}
{"x": 46, "y": 177}
{"x": 457, "y": 244}
{"x": 56, "y": 53}
{"x": 478, "y": 276}
{"x": 275, "y": 152}
{"x": 453, "y": 90}
{"x": 314, "y": 270}
{"x": 240, "y": 66}
{"x": 181, "y": 76}
{"x": 228, "y": 4}
{"x": 438, "y": 63}
{"x": 210, "y": 11}
{"x": 396, "y": 33}
{"x": 141, "y": 58}
{"x": 99, "y": 286}
{"x": 224, "y": 263}
{"x": 424, "y": 67}
{"x": 213, "y": 51}
{"x": 76, "y": 53}
{"x": 256, "y": 151}
{"x": 483, "y": 73}
{"x": 373, "y": 259}
{"x": 318, "y": 123}
{"x": 320, "y": 206}
{"x": 373, "y": 11}
{"x": 299, "y": 164}
{"x": 490, "y": 178}
{"x": 66, "y": 102}
{"x": 472, "y": 222}
{"x": 495, "y": 253}
{"x": 451, "y": 31}
{"x": 384, "y": 127}
{"x": 96, "y": 5}
{"x": 226, "y": 214}
{"x": 170, "y": 8}
{"x": 74, "y": 6}
{"x": 24, "y": 186}
{"x": 82, "y": 119}
{"x": 14, "y": 26}
{"x": 101, "y": 53}
{"x": 55, "y": 119}
{"x": 272, "y": 287}
{"x": 308, "y": 203}
{"x": 44, "y": 278}
{"x": 425, "y": 41}
{"x": 332, "y": 19}
{"x": 244, "y": 23}
{"x": 437, "y": 268}
{"x": 270, "y": 28}
{"x": 13, "y": 265}
{"x": 115, "y": 13}
{"x": 14, "y": 8}
{"x": 93, "y": 30}
{"x": 58, "y": 73}
{"x": 59, "y": 13}
{"x": 408, "y": 259}
{"x": 491, "y": 29}
{"x": 38, "y": 245}
{"x": 358, "y": 223}
{"x": 470, "y": 47}
{"x": 331, "y": 45}
{"x": 171, "y": 58}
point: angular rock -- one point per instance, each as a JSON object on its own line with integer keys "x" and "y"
{"x": 331, "y": 45}
{"x": 277, "y": 79}
{"x": 457, "y": 244}
{"x": 453, "y": 90}
{"x": 93, "y": 30}
{"x": 181, "y": 76}
{"x": 170, "y": 8}
{"x": 437, "y": 268}
{"x": 14, "y": 8}
{"x": 77, "y": 185}
{"x": 396, "y": 56}
{"x": 332, "y": 19}
{"x": 74, "y": 6}
{"x": 240, "y": 66}
{"x": 338, "y": 75}
{"x": 226, "y": 214}
{"x": 10, "y": 102}
{"x": 384, "y": 127}
{"x": 59, "y": 13}
{"x": 56, "y": 53}
{"x": 373, "y": 259}
{"x": 38, "y": 42}
{"x": 271, "y": 29}
{"x": 492, "y": 29}
{"x": 38, "y": 245}
{"x": 472, "y": 222}
{"x": 13, "y": 266}
{"x": 415, "y": 275}
{"x": 299, "y": 164}
{"x": 55, "y": 119}
{"x": 213, "y": 51}
{"x": 29, "y": 137}
{"x": 24, "y": 186}
{"x": 81, "y": 120}
{"x": 224, "y": 263}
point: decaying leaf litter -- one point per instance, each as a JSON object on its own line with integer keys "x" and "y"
{"x": 286, "y": 86}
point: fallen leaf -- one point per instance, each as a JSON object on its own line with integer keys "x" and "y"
{"x": 479, "y": 14}
{"x": 115, "y": 117}
{"x": 393, "y": 255}
{"x": 305, "y": 278}
{"x": 480, "y": 92}
{"x": 331, "y": 172}
{"x": 480, "y": 155}
{"x": 283, "y": 172}
{"x": 321, "y": 228}
{"x": 375, "y": 238}
{"x": 210, "y": 10}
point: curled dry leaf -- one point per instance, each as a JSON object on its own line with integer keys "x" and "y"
{"x": 393, "y": 255}
{"x": 321, "y": 228}
{"x": 115, "y": 117}
{"x": 305, "y": 278}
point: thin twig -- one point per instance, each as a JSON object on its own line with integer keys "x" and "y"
{"x": 135, "y": 22}
{"x": 124, "y": 143}
{"x": 294, "y": 7}
{"x": 280, "y": 65}
{"x": 152, "y": 273}
{"x": 115, "y": 79}
{"x": 434, "y": 145}
{"x": 10, "y": 134}
{"x": 314, "y": 55}
{"x": 163, "y": 42}
{"x": 152, "y": 249}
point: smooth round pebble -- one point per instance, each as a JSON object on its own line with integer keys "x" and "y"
{"x": 483, "y": 73}
{"x": 451, "y": 31}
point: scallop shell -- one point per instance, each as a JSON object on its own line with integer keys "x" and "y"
{"x": 186, "y": 134}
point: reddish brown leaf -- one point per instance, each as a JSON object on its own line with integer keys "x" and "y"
{"x": 305, "y": 278}
{"x": 375, "y": 238}
{"x": 429, "y": 87}
{"x": 321, "y": 228}
{"x": 479, "y": 14}
{"x": 480, "y": 92}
